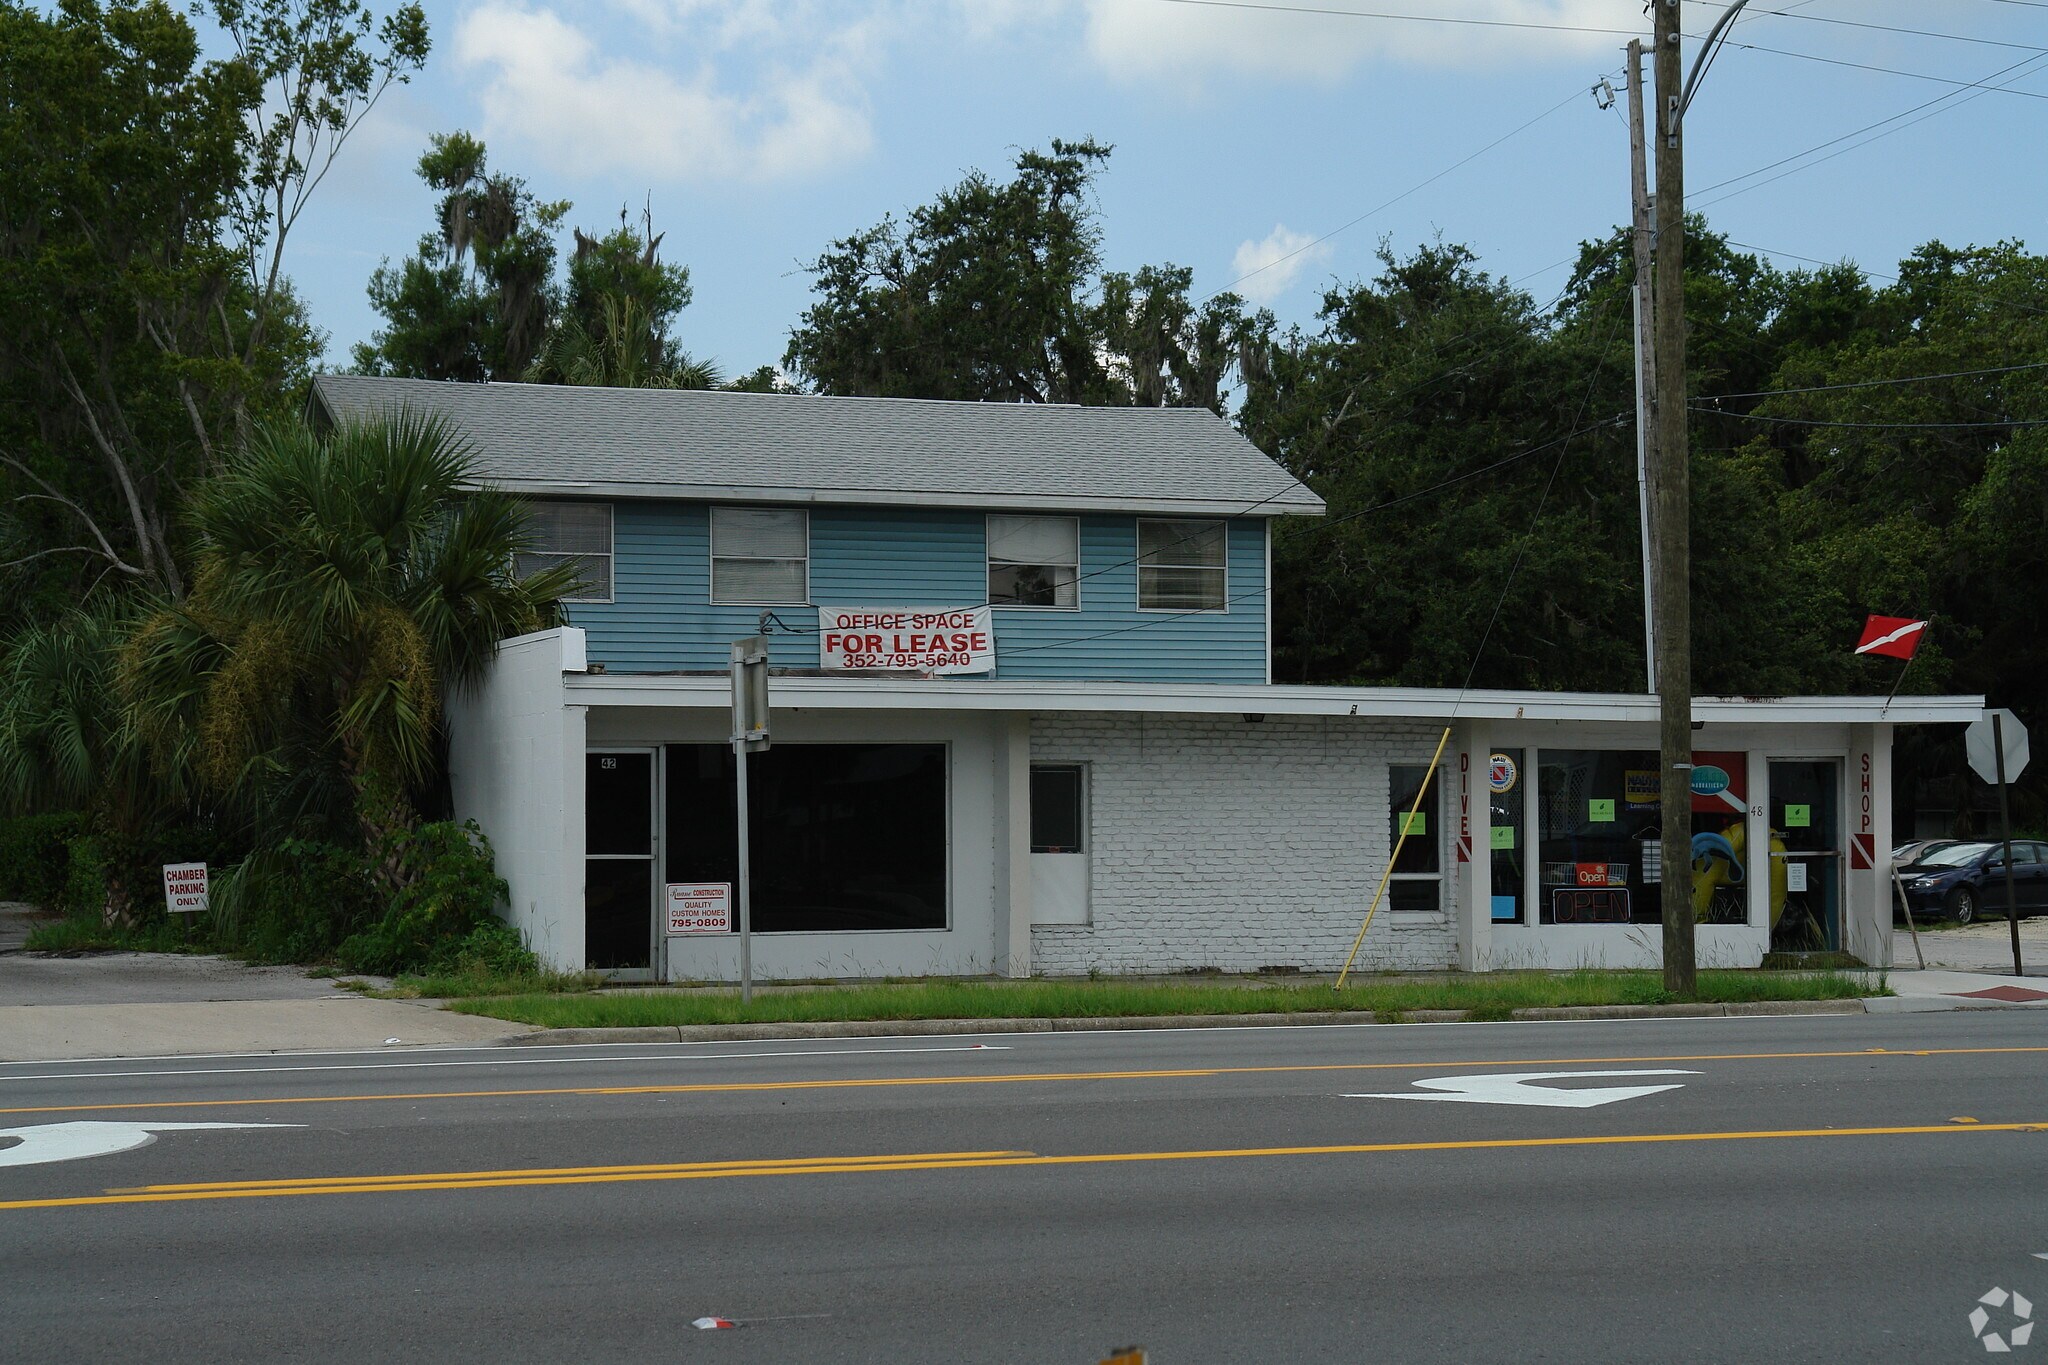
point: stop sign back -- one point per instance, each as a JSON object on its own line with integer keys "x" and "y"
{"x": 1982, "y": 748}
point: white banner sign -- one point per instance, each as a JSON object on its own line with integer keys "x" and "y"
{"x": 185, "y": 888}
{"x": 907, "y": 639}
{"x": 705, "y": 909}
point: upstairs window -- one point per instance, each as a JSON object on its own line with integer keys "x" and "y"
{"x": 1181, "y": 566}
{"x": 760, "y": 556}
{"x": 1034, "y": 561}
{"x": 574, "y": 533}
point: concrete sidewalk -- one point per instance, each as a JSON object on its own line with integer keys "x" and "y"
{"x": 171, "y": 1004}
{"x": 1918, "y": 992}
{"x": 39, "y": 1033}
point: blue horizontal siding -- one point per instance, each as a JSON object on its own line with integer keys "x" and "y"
{"x": 661, "y": 619}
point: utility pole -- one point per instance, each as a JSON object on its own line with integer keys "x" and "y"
{"x": 1671, "y": 487}
{"x": 1646, "y": 367}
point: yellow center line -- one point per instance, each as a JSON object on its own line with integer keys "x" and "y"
{"x": 930, "y": 1161}
{"x": 769, "y": 1165}
{"x": 1014, "y": 1078}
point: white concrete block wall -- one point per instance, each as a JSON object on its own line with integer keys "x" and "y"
{"x": 515, "y": 763}
{"x": 1240, "y": 845}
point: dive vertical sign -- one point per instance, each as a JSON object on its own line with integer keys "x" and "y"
{"x": 1465, "y": 807}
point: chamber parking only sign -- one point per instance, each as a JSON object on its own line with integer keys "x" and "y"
{"x": 185, "y": 888}
{"x": 704, "y": 908}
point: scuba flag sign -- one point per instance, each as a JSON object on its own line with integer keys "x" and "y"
{"x": 1895, "y": 637}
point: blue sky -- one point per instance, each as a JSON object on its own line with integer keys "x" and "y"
{"x": 763, "y": 131}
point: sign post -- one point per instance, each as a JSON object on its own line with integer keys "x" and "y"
{"x": 1997, "y": 749}
{"x": 749, "y": 732}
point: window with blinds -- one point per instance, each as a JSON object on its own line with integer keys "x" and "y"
{"x": 573, "y": 533}
{"x": 1034, "y": 561}
{"x": 760, "y": 556}
{"x": 1181, "y": 566}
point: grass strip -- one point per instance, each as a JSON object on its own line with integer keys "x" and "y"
{"x": 1488, "y": 997}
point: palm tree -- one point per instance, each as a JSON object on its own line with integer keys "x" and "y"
{"x": 343, "y": 581}
{"x": 67, "y": 741}
{"x": 624, "y": 351}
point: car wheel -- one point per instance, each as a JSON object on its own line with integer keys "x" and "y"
{"x": 1962, "y": 905}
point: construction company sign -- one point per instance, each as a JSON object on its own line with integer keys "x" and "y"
{"x": 185, "y": 888}
{"x": 906, "y": 639}
{"x": 701, "y": 908}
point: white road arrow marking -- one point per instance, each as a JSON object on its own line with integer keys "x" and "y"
{"x": 1513, "y": 1087}
{"x": 72, "y": 1141}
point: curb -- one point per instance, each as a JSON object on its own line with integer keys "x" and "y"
{"x": 927, "y": 1028}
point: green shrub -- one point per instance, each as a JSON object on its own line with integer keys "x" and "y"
{"x": 446, "y": 912}
{"x": 35, "y": 857}
{"x": 295, "y": 901}
{"x": 85, "y": 879}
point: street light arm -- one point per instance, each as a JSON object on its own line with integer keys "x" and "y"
{"x": 1707, "y": 50}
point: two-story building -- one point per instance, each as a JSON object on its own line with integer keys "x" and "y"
{"x": 1024, "y": 721}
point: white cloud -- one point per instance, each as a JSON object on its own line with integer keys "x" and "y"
{"x": 547, "y": 84}
{"x": 1266, "y": 270}
{"x": 1153, "y": 39}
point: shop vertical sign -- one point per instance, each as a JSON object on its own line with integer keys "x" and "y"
{"x": 1863, "y": 844}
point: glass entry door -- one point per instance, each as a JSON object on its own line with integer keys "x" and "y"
{"x": 618, "y": 863}
{"x": 1806, "y": 856}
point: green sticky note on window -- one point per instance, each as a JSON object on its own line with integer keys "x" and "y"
{"x": 1415, "y": 822}
{"x": 1503, "y": 836}
{"x": 1798, "y": 817}
{"x": 1600, "y": 812}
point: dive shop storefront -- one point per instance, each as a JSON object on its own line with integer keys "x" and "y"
{"x": 934, "y": 826}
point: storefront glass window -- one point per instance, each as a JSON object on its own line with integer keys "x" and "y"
{"x": 843, "y": 836}
{"x": 1601, "y": 826}
{"x": 1505, "y": 792}
{"x": 1599, "y": 809}
{"x": 1416, "y": 887}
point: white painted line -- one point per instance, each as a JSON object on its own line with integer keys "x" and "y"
{"x": 1514, "y": 1087}
{"x": 509, "y": 1061}
{"x": 49, "y": 1142}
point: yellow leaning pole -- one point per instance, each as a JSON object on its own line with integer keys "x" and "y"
{"x": 1373, "y": 909}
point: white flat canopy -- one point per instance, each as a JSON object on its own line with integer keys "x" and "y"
{"x": 1411, "y": 703}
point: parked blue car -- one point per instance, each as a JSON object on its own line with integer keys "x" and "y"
{"x": 1961, "y": 881}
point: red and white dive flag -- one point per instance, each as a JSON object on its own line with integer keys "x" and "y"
{"x": 1895, "y": 637}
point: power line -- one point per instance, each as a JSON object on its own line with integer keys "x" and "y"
{"x": 1576, "y": 93}
{"x": 1529, "y": 536}
{"x": 1997, "y": 299}
{"x": 1618, "y": 419}
{"x": 1875, "y": 383}
{"x": 1872, "y": 426}
{"x": 1887, "y": 28}
{"x": 1956, "y": 96}
{"x": 1403, "y": 18}
{"x": 1885, "y": 70}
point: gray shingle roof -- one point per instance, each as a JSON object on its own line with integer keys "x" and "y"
{"x": 681, "y": 443}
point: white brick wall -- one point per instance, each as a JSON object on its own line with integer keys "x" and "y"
{"x": 1220, "y": 842}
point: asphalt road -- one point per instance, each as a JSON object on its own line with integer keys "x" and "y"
{"x": 1814, "y": 1188}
